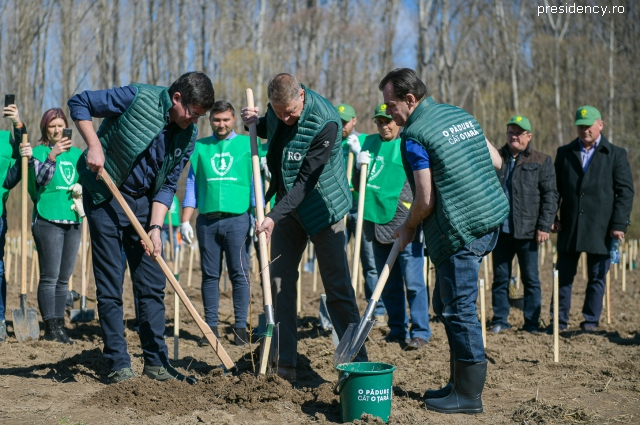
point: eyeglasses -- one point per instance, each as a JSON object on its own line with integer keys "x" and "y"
{"x": 510, "y": 134}
{"x": 192, "y": 114}
{"x": 381, "y": 123}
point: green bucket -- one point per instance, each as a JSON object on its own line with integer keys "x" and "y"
{"x": 364, "y": 388}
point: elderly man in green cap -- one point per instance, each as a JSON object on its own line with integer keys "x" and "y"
{"x": 352, "y": 142}
{"x": 529, "y": 181}
{"x": 596, "y": 195}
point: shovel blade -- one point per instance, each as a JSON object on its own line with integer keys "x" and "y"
{"x": 25, "y": 322}
{"x": 79, "y": 315}
{"x": 271, "y": 358}
{"x": 352, "y": 341}
{"x": 323, "y": 314}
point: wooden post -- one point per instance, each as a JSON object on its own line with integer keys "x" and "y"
{"x": 556, "y": 318}
{"x": 624, "y": 271}
{"x": 615, "y": 270}
{"x": 485, "y": 265}
{"x": 483, "y": 322}
{"x": 315, "y": 274}
{"x": 192, "y": 252}
{"x": 608, "y": 299}
{"x": 583, "y": 259}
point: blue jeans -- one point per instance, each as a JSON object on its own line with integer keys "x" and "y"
{"x": 111, "y": 232}
{"x": 597, "y": 268}
{"x": 367, "y": 262}
{"x": 407, "y": 271}
{"x": 455, "y": 295}
{"x": 527, "y": 252}
{"x": 3, "y": 279}
{"x": 228, "y": 236}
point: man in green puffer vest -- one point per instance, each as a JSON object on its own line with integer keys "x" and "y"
{"x": 310, "y": 183}
{"x": 146, "y": 138}
{"x": 458, "y": 199}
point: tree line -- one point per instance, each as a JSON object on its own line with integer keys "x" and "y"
{"x": 494, "y": 58}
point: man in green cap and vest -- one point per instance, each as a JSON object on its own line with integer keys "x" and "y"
{"x": 386, "y": 205}
{"x": 596, "y": 196}
{"x": 146, "y": 138}
{"x": 529, "y": 181}
{"x": 352, "y": 143}
{"x": 310, "y": 183}
{"x": 460, "y": 203}
{"x": 219, "y": 185}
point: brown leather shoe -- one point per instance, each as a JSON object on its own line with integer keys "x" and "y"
{"x": 288, "y": 373}
{"x": 415, "y": 344}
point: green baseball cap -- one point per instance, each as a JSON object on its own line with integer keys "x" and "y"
{"x": 346, "y": 112}
{"x": 587, "y": 115}
{"x": 381, "y": 111}
{"x": 521, "y": 121}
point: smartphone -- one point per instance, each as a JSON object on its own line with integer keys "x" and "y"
{"x": 9, "y": 99}
{"x": 67, "y": 132}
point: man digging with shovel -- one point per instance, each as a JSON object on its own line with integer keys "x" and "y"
{"x": 147, "y": 137}
{"x": 460, "y": 203}
{"x": 309, "y": 181}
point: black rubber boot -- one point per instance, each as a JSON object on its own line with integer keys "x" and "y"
{"x": 241, "y": 336}
{"x": 466, "y": 396}
{"x": 62, "y": 333}
{"x": 51, "y": 331}
{"x": 446, "y": 390}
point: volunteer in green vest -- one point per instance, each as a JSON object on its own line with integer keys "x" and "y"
{"x": 352, "y": 143}
{"x": 386, "y": 206}
{"x": 310, "y": 183}
{"x": 219, "y": 185}
{"x": 56, "y": 226}
{"x": 460, "y": 203}
{"x": 10, "y": 175}
{"x": 144, "y": 142}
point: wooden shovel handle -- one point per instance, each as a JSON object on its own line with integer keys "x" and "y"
{"x": 382, "y": 279}
{"x": 83, "y": 258}
{"x": 257, "y": 184}
{"x": 356, "y": 251}
{"x": 23, "y": 230}
{"x": 206, "y": 330}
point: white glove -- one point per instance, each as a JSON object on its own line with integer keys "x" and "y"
{"x": 77, "y": 206}
{"x": 76, "y": 190}
{"x": 265, "y": 168}
{"x": 186, "y": 231}
{"x": 364, "y": 157}
{"x": 354, "y": 144}
{"x": 26, "y": 150}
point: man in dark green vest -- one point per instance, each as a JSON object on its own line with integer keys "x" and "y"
{"x": 309, "y": 180}
{"x": 219, "y": 185}
{"x": 146, "y": 138}
{"x": 460, "y": 203}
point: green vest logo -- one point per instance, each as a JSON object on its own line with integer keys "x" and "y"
{"x": 376, "y": 167}
{"x": 68, "y": 171}
{"x": 221, "y": 163}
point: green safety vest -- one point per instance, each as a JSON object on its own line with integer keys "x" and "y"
{"x": 54, "y": 201}
{"x": 385, "y": 179}
{"x": 223, "y": 174}
{"x": 6, "y": 162}
{"x": 174, "y": 212}
{"x": 470, "y": 200}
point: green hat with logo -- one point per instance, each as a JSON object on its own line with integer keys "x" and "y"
{"x": 381, "y": 111}
{"x": 346, "y": 112}
{"x": 521, "y": 121}
{"x": 587, "y": 115}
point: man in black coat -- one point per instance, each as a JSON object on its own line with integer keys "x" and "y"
{"x": 596, "y": 195}
{"x": 529, "y": 181}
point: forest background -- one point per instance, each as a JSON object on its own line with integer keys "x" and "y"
{"x": 495, "y": 58}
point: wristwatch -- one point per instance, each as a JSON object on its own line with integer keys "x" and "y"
{"x": 154, "y": 226}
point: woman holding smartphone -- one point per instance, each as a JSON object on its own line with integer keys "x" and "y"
{"x": 56, "y": 226}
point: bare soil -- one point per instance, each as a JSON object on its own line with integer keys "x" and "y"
{"x": 596, "y": 381}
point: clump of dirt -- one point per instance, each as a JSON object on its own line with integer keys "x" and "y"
{"x": 244, "y": 391}
{"x": 542, "y": 412}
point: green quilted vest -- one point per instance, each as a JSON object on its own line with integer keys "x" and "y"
{"x": 125, "y": 137}
{"x": 470, "y": 201}
{"x": 330, "y": 200}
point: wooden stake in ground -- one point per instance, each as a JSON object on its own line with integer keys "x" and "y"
{"x": 485, "y": 265}
{"x": 624, "y": 271}
{"x": 483, "y": 321}
{"x": 556, "y": 313}
{"x": 356, "y": 250}
{"x": 192, "y": 252}
{"x": 583, "y": 260}
{"x": 202, "y": 325}
{"x": 315, "y": 274}
{"x": 176, "y": 307}
{"x": 608, "y": 298}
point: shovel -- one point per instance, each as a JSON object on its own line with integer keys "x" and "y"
{"x": 202, "y": 325}
{"x": 356, "y": 334}
{"x": 25, "y": 320}
{"x": 267, "y": 354}
{"x": 83, "y": 314}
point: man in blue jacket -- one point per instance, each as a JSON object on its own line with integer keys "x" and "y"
{"x": 146, "y": 138}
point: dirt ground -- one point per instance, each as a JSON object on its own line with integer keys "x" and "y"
{"x": 597, "y": 380}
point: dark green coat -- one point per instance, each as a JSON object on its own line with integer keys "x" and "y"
{"x": 595, "y": 202}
